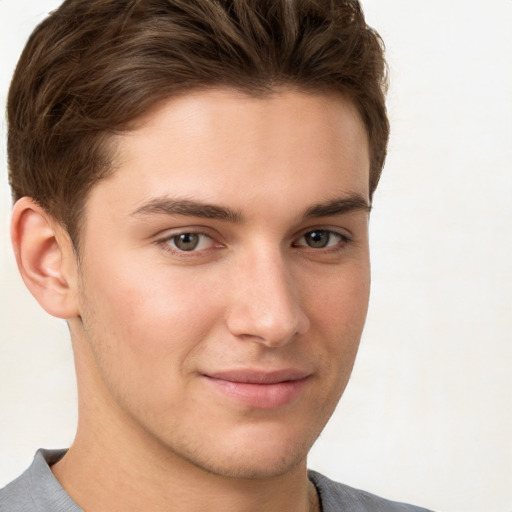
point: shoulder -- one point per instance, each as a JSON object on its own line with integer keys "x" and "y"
{"x": 37, "y": 490}
{"x": 15, "y": 497}
{"x": 336, "y": 496}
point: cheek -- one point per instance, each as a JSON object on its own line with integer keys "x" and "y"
{"x": 339, "y": 314}
{"x": 150, "y": 315}
{"x": 143, "y": 331}
{"x": 341, "y": 305}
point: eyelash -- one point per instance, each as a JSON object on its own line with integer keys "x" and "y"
{"x": 165, "y": 243}
{"x": 342, "y": 240}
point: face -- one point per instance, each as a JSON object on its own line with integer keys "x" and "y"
{"x": 224, "y": 278}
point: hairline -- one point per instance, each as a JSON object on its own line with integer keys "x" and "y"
{"x": 110, "y": 141}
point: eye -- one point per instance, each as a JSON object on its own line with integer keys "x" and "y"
{"x": 188, "y": 242}
{"x": 321, "y": 239}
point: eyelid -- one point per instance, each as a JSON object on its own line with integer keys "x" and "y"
{"x": 343, "y": 232}
{"x": 165, "y": 234}
{"x": 344, "y": 239}
{"x": 164, "y": 237}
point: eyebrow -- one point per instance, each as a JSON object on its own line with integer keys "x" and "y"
{"x": 185, "y": 207}
{"x": 338, "y": 206}
{"x": 189, "y": 208}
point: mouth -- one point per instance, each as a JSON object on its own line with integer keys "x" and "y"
{"x": 259, "y": 389}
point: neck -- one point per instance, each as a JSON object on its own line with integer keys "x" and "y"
{"x": 114, "y": 478}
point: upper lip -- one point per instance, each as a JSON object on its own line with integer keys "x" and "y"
{"x": 263, "y": 376}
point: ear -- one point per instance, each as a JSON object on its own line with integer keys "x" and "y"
{"x": 45, "y": 258}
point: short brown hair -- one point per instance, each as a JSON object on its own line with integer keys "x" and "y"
{"x": 94, "y": 66}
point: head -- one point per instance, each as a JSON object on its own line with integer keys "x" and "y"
{"x": 200, "y": 176}
{"x": 94, "y": 67}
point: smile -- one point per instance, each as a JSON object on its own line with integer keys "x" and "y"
{"x": 260, "y": 390}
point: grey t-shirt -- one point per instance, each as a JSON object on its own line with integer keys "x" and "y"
{"x": 37, "y": 490}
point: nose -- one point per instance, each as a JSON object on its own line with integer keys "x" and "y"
{"x": 265, "y": 305}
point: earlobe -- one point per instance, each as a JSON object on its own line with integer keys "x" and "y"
{"x": 45, "y": 258}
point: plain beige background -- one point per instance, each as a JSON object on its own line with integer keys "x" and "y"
{"x": 427, "y": 417}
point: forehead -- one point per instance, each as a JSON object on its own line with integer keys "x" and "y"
{"x": 225, "y": 145}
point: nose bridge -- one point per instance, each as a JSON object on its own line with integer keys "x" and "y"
{"x": 266, "y": 306}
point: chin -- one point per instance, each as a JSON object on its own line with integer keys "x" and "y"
{"x": 253, "y": 454}
{"x": 252, "y": 468}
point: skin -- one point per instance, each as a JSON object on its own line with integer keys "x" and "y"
{"x": 158, "y": 331}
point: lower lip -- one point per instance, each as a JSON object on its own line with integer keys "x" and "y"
{"x": 260, "y": 396}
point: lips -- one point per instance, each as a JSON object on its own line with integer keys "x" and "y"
{"x": 259, "y": 389}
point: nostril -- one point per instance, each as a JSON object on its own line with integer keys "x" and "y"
{"x": 265, "y": 305}
{"x": 272, "y": 328}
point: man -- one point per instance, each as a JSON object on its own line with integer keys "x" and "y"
{"x": 192, "y": 185}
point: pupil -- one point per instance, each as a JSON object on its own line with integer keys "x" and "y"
{"x": 317, "y": 239}
{"x": 187, "y": 241}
